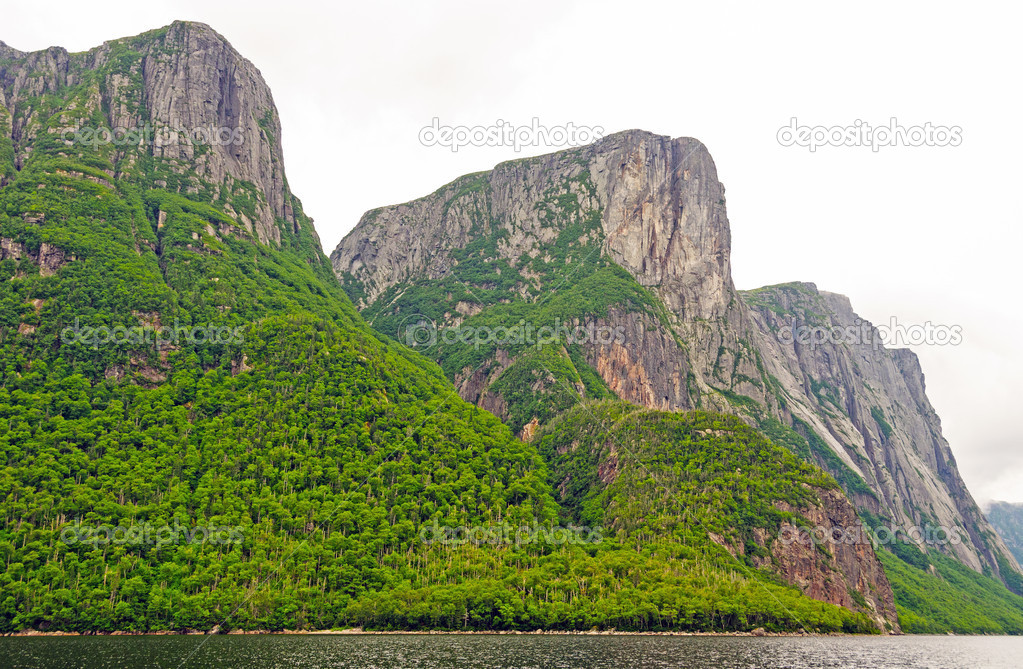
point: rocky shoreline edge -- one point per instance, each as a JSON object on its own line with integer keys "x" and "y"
{"x": 356, "y": 631}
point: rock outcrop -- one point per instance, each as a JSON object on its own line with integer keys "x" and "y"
{"x": 1008, "y": 520}
{"x": 811, "y": 560}
{"x": 181, "y": 97}
{"x": 654, "y": 206}
{"x": 832, "y": 370}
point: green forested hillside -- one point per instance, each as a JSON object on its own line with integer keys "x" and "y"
{"x": 329, "y": 448}
{"x": 295, "y": 470}
{"x": 643, "y": 471}
{"x": 327, "y": 445}
{"x": 934, "y": 594}
{"x": 692, "y": 483}
{"x": 290, "y": 474}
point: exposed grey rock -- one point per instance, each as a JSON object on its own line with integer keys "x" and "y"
{"x": 662, "y": 218}
{"x": 1008, "y": 520}
{"x": 186, "y": 78}
{"x": 49, "y": 257}
{"x": 869, "y": 404}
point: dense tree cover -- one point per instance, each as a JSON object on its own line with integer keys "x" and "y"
{"x": 665, "y": 482}
{"x": 327, "y": 447}
{"x": 655, "y": 472}
{"x": 935, "y": 594}
{"x": 328, "y": 458}
{"x": 325, "y": 443}
{"x": 655, "y": 587}
{"x": 329, "y": 453}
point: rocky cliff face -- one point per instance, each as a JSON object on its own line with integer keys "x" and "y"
{"x": 650, "y": 204}
{"x": 178, "y": 108}
{"x": 851, "y": 558}
{"x": 530, "y": 230}
{"x": 869, "y": 405}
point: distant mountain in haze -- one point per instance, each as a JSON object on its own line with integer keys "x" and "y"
{"x": 1008, "y": 520}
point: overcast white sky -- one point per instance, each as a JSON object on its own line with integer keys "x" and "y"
{"x": 922, "y": 234}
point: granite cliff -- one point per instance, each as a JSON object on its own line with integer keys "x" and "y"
{"x": 177, "y": 106}
{"x": 630, "y": 235}
{"x": 235, "y": 389}
{"x": 143, "y": 181}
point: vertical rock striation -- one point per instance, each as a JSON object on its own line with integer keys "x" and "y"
{"x": 658, "y": 212}
{"x": 196, "y": 114}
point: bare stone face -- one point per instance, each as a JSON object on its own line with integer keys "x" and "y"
{"x": 663, "y": 218}
{"x": 188, "y": 80}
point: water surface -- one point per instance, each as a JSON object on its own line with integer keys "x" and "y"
{"x": 526, "y": 651}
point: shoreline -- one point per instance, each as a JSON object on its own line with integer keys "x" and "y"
{"x": 358, "y": 631}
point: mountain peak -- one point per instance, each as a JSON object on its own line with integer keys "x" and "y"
{"x": 9, "y": 51}
{"x": 209, "y": 119}
{"x": 199, "y": 26}
{"x": 551, "y": 234}
{"x": 652, "y": 203}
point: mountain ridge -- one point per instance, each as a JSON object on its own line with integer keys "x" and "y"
{"x": 653, "y": 206}
{"x": 327, "y": 447}
{"x": 223, "y": 91}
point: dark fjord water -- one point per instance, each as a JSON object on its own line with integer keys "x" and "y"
{"x": 492, "y": 652}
